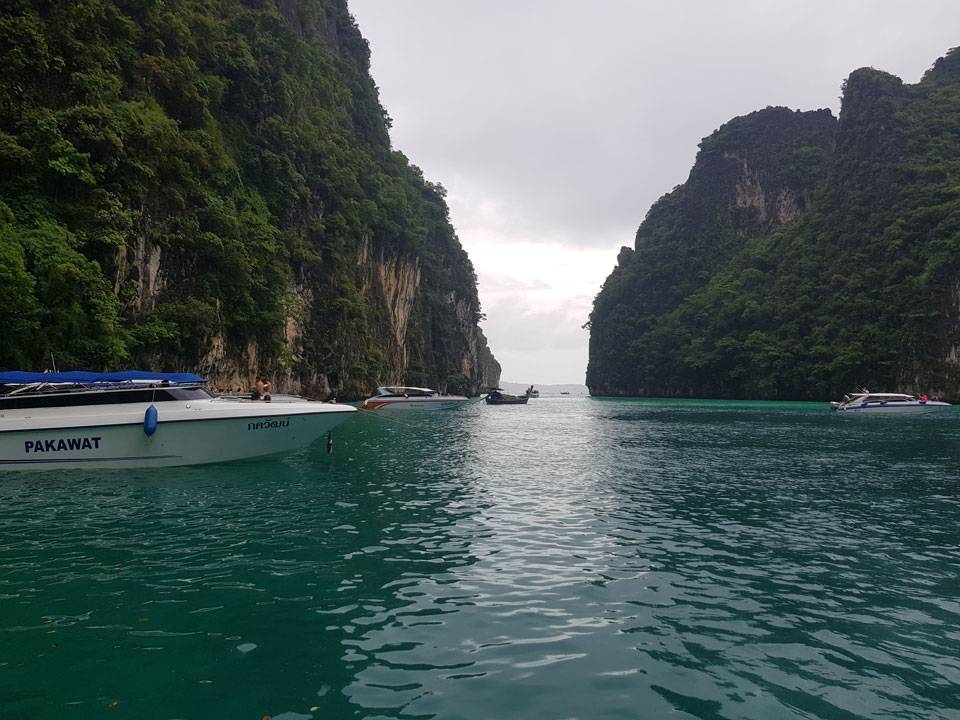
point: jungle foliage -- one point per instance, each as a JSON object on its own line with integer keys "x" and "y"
{"x": 244, "y": 144}
{"x": 803, "y": 258}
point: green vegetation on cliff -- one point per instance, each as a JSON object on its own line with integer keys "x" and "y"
{"x": 803, "y": 257}
{"x": 210, "y": 184}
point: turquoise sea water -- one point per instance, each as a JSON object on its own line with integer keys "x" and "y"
{"x": 571, "y": 558}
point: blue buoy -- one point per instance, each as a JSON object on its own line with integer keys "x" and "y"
{"x": 150, "y": 420}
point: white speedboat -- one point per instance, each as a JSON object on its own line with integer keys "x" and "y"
{"x": 141, "y": 419}
{"x": 868, "y": 403}
{"x": 411, "y": 398}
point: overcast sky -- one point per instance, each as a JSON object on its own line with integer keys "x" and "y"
{"x": 554, "y": 124}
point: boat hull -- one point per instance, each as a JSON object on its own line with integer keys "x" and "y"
{"x": 897, "y": 409}
{"x": 182, "y": 441}
{"x": 417, "y": 404}
{"x": 522, "y": 400}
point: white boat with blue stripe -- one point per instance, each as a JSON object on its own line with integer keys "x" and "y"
{"x": 138, "y": 419}
{"x": 868, "y": 403}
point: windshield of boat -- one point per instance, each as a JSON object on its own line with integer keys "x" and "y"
{"x": 38, "y": 395}
{"x": 406, "y": 392}
{"x": 881, "y": 398}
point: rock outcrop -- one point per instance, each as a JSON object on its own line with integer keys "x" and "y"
{"x": 213, "y": 189}
{"x": 803, "y": 257}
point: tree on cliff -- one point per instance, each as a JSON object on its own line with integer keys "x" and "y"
{"x": 185, "y": 181}
{"x": 802, "y": 258}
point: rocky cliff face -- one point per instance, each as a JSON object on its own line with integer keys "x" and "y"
{"x": 755, "y": 173}
{"x": 217, "y": 188}
{"x": 804, "y": 256}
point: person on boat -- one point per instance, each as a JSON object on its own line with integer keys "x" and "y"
{"x": 923, "y": 397}
{"x": 258, "y": 388}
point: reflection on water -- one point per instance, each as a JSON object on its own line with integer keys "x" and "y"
{"x": 568, "y": 558}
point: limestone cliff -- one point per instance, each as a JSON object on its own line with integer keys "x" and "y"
{"x": 211, "y": 187}
{"x": 751, "y": 176}
{"x": 804, "y": 256}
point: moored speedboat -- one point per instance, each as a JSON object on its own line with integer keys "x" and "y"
{"x": 411, "y": 398}
{"x": 868, "y": 403}
{"x": 142, "y": 419}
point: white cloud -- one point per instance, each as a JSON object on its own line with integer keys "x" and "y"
{"x": 555, "y": 124}
{"x": 536, "y": 296}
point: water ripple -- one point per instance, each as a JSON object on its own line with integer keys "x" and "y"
{"x": 572, "y": 558}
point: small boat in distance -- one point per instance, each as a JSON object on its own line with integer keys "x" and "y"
{"x": 498, "y": 397}
{"x": 411, "y": 398}
{"x": 137, "y": 419}
{"x": 532, "y": 393}
{"x": 868, "y": 403}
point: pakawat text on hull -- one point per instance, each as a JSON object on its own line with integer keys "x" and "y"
{"x": 142, "y": 419}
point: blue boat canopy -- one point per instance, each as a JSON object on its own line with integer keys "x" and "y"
{"x": 18, "y": 377}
